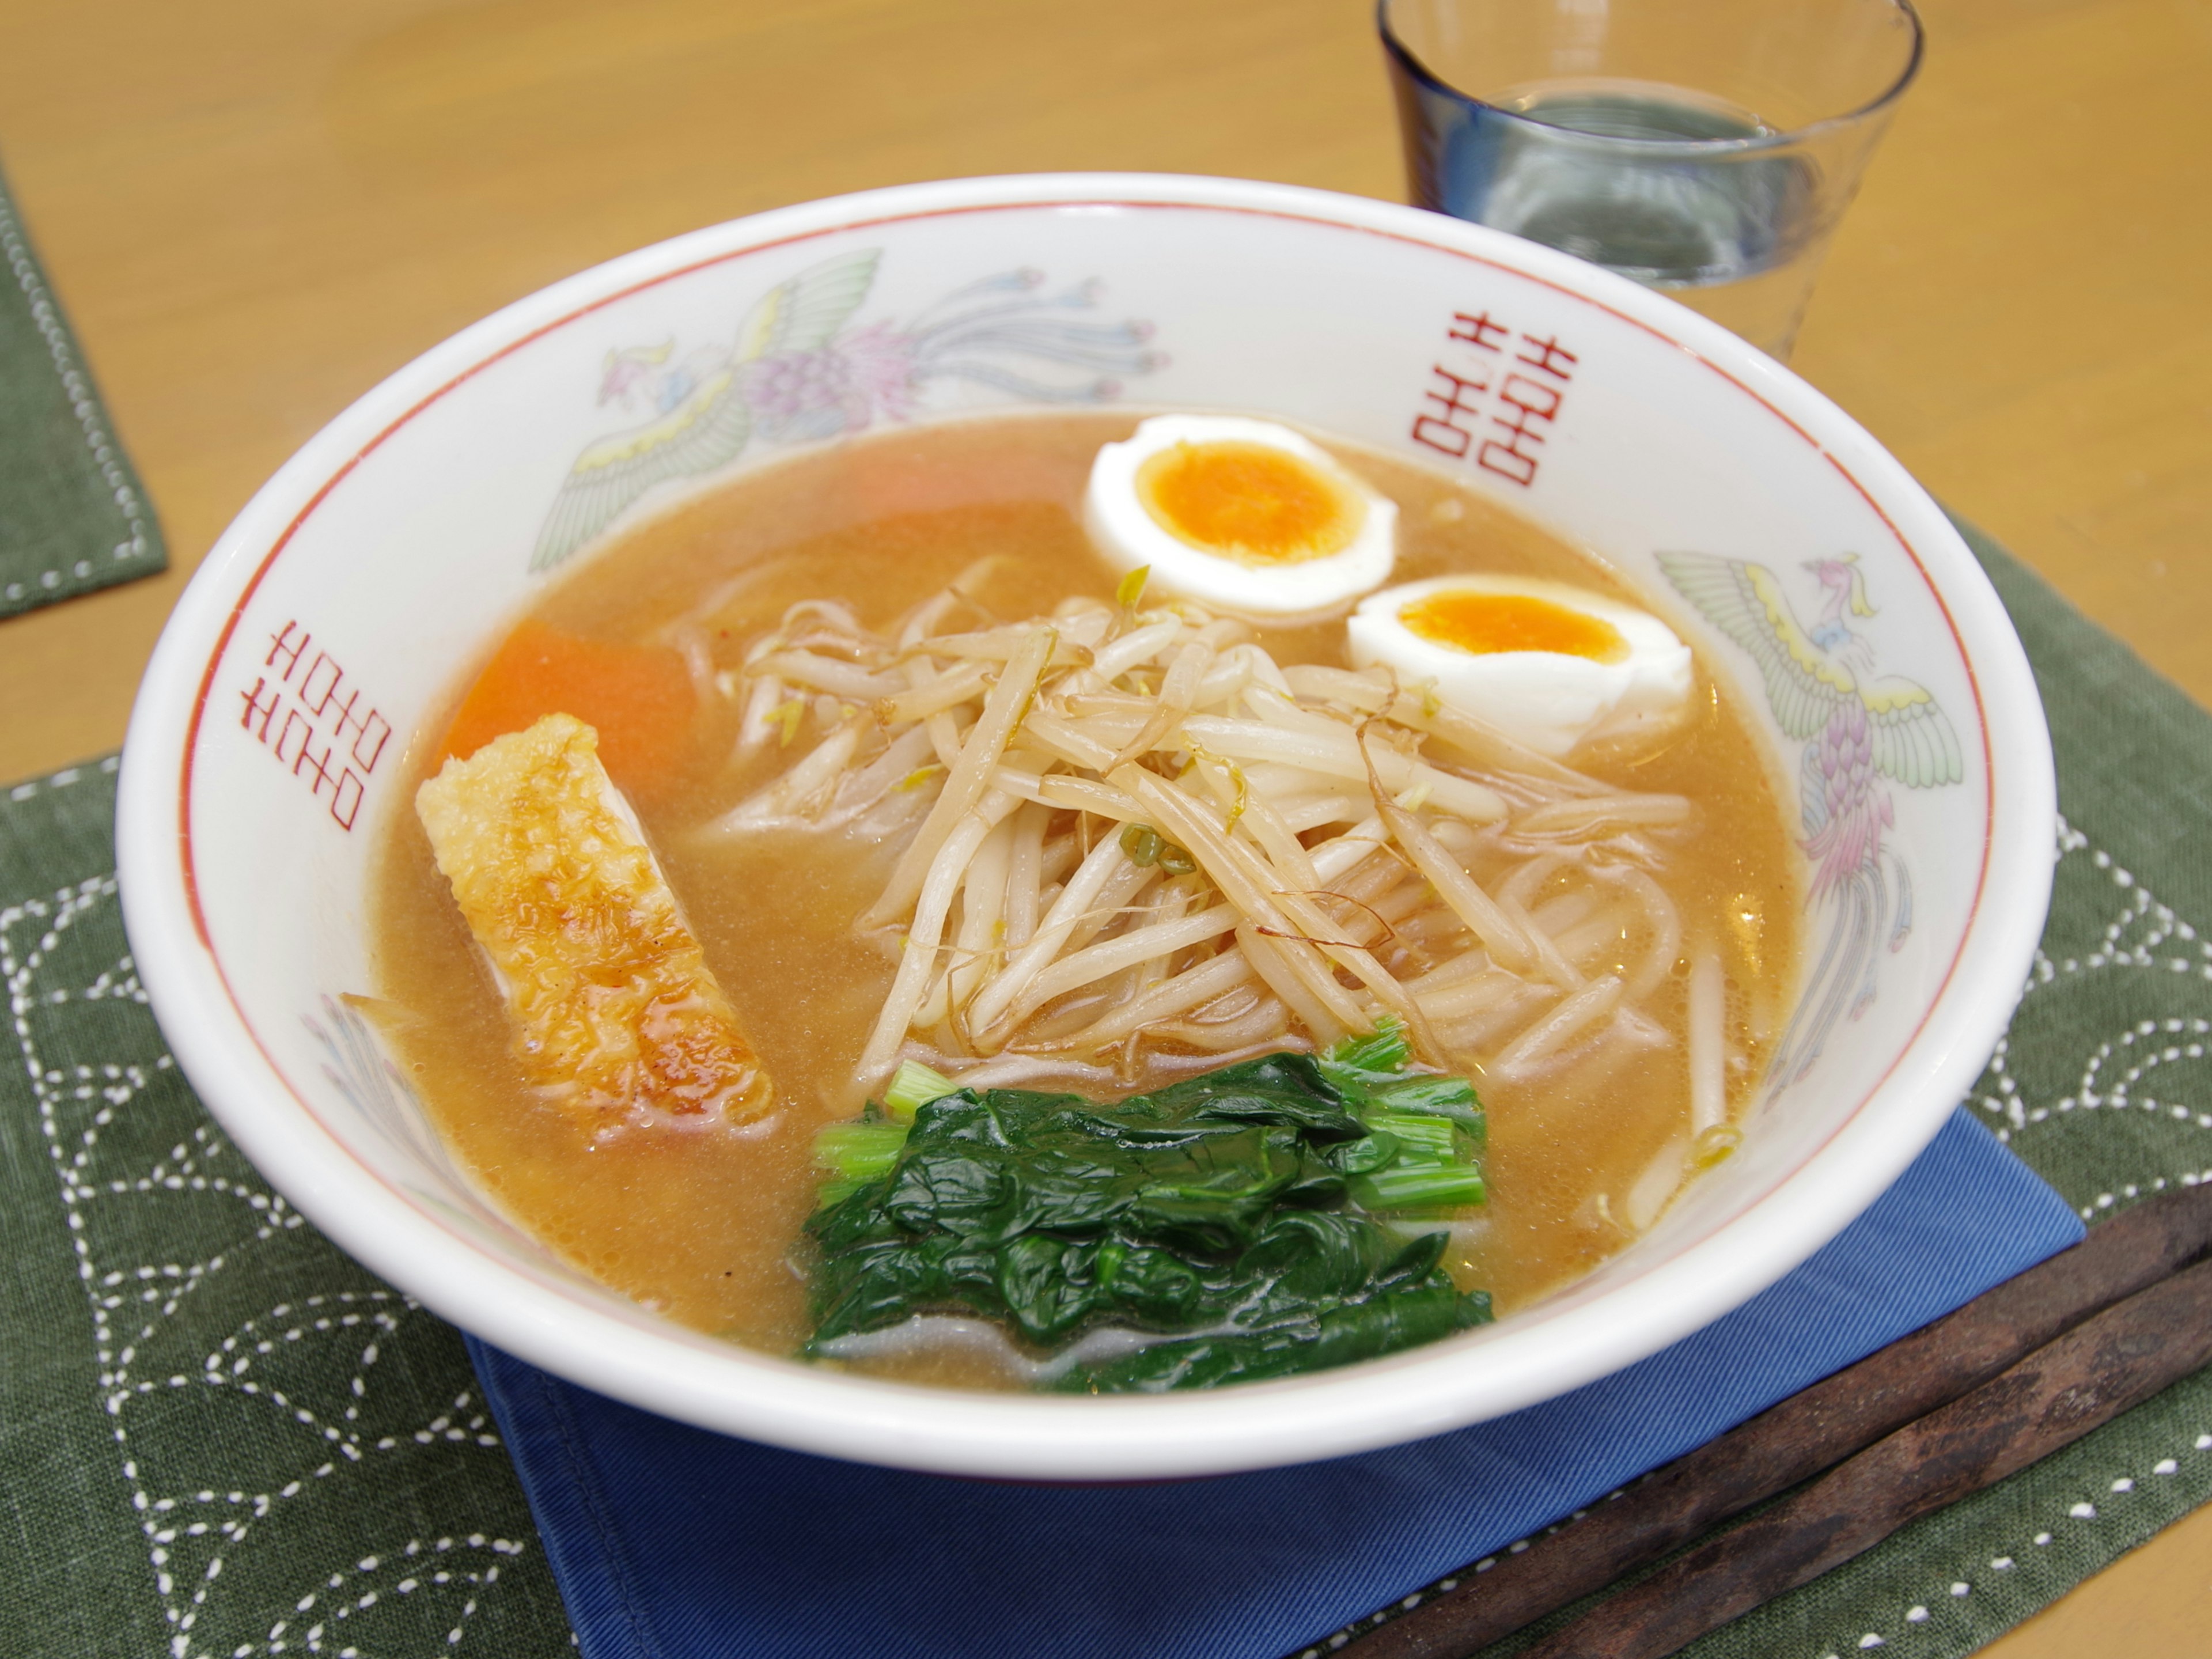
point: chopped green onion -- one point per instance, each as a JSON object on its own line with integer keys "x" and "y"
{"x": 1140, "y": 845}
{"x": 859, "y": 1152}
{"x": 1419, "y": 1187}
{"x": 1423, "y": 1136}
{"x": 912, "y": 1087}
{"x": 1144, "y": 847}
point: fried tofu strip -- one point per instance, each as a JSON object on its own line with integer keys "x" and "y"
{"x": 610, "y": 998}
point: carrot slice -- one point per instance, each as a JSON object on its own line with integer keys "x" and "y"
{"x": 639, "y": 698}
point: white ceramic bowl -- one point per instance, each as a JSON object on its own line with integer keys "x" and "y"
{"x": 271, "y": 737}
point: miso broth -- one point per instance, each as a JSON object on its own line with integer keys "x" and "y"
{"x": 703, "y": 1221}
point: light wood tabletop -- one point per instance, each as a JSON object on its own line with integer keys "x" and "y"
{"x": 254, "y": 209}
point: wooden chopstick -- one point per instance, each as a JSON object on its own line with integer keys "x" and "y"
{"x": 1997, "y": 1334}
{"x": 2049, "y": 1399}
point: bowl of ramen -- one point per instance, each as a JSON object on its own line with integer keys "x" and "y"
{"x": 1086, "y": 828}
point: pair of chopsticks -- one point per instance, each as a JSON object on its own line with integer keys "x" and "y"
{"x": 2014, "y": 1374}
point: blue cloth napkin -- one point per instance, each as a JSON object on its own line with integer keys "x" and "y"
{"x": 675, "y": 1543}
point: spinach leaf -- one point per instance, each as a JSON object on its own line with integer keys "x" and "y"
{"x": 1229, "y": 1215}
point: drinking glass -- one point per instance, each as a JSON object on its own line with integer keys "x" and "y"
{"x": 1707, "y": 148}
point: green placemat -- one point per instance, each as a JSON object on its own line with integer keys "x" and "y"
{"x": 220, "y": 1437}
{"x": 72, "y": 516}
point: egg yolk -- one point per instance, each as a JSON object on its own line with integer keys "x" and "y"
{"x": 1483, "y": 623}
{"x": 1249, "y": 502}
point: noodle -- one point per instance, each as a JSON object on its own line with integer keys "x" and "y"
{"x": 1256, "y": 1024}
{"x": 968, "y": 776}
{"x": 1192, "y": 988}
{"x": 759, "y": 725}
{"x": 947, "y": 690}
{"x": 935, "y": 898}
{"x": 1075, "y": 900}
{"x": 983, "y": 899}
{"x": 1707, "y": 1046}
{"x": 1082, "y": 967}
{"x": 1025, "y": 874}
{"x": 1561, "y": 1026}
{"x": 1267, "y": 957}
{"x": 1578, "y": 819}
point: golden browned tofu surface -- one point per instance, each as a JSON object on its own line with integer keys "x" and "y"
{"x": 611, "y": 1001}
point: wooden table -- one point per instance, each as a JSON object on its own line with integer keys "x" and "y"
{"x": 256, "y": 208}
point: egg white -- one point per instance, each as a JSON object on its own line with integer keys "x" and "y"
{"x": 1127, "y": 534}
{"x": 1552, "y": 702}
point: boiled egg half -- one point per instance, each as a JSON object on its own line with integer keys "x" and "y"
{"x": 1243, "y": 515}
{"x": 1549, "y": 664}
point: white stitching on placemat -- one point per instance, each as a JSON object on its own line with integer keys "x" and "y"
{"x": 61, "y": 779}
{"x": 2080, "y": 1509}
{"x": 97, "y": 438}
{"x": 185, "y": 1524}
{"x": 2144, "y": 935}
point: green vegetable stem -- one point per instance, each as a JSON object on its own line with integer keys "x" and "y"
{"x": 912, "y": 1087}
{"x": 1236, "y": 1217}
